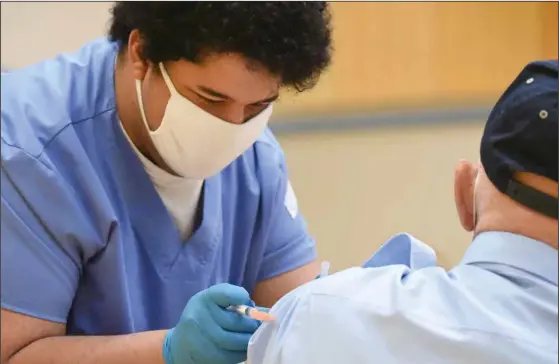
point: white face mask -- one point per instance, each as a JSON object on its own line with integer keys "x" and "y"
{"x": 194, "y": 143}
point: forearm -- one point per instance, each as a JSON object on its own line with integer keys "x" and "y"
{"x": 145, "y": 347}
{"x": 268, "y": 292}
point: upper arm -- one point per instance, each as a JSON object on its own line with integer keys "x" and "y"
{"x": 390, "y": 314}
{"x": 268, "y": 292}
{"x": 265, "y": 344}
{"x": 40, "y": 260}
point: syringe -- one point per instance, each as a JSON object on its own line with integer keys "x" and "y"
{"x": 252, "y": 312}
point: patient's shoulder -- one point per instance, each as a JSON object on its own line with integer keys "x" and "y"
{"x": 378, "y": 290}
{"x": 343, "y": 298}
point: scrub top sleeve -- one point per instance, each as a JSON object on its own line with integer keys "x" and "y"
{"x": 40, "y": 271}
{"x": 289, "y": 245}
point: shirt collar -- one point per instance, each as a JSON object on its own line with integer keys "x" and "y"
{"x": 514, "y": 250}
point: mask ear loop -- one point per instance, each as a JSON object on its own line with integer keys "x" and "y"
{"x": 141, "y": 104}
{"x": 172, "y": 90}
{"x": 170, "y": 86}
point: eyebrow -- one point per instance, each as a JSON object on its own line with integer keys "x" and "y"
{"x": 222, "y": 96}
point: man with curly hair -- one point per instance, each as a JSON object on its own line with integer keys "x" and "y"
{"x": 142, "y": 192}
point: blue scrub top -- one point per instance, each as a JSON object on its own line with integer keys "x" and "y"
{"x": 86, "y": 239}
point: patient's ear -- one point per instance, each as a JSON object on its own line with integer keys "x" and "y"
{"x": 464, "y": 180}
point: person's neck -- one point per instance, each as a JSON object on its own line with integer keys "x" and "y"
{"x": 526, "y": 223}
{"x": 130, "y": 117}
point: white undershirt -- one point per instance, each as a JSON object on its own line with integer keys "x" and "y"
{"x": 179, "y": 195}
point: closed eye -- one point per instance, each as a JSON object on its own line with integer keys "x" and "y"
{"x": 210, "y": 101}
{"x": 266, "y": 103}
{"x": 260, "y": 104}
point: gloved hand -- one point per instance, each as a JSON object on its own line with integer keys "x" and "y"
{"x": 208, "y": 333}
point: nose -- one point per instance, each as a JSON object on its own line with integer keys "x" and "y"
{"x": 235, "y": 114}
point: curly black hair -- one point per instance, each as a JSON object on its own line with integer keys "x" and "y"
{"x": 291, "y": 40}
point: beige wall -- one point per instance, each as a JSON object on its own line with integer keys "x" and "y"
{"x": 386, "y": 54}
{"x": 32, "y": 31}
{"x": 356, "y": 189}
{"x": 394, "y": 54}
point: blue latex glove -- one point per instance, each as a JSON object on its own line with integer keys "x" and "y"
{"x": 207, "y": 332}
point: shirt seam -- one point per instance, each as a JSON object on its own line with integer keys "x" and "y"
{"x": 35, "y": 157}
{"x": 45, "y": 146}
{"x": 55, "y": 135}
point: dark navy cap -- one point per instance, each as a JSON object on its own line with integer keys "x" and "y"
{"x": 521, "y": 136}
